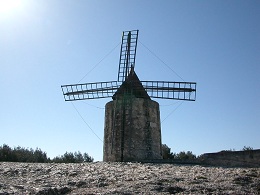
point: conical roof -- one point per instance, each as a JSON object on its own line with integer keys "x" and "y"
{"x": 131, "y": 86}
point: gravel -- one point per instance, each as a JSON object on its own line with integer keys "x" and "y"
{"x": 125, "y": 178}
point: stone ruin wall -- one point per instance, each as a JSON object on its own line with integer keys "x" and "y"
{"x": 248, "y": 158}
{"x": 142, "y": 130}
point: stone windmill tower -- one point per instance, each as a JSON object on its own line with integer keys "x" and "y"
{"x": 132, "y": 120}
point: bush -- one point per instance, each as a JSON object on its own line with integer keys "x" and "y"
{"x": 167, "y": 154}
{"x": 246, "y": 148}
{"x": 185, "y": 156}
{"x": 69, "y": 157}
{"x": 19, "y": 154}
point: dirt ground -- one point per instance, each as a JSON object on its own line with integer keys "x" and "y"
{"x": 125, "y": 178}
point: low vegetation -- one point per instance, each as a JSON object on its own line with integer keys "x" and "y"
{"x": 20, "y": 154}
{"x": 167, "y": 154}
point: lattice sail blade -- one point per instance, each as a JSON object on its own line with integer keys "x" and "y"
{"x": 89, "y": 90}
{"x": 171, "y": 90}
{"x": 127, "y": 54}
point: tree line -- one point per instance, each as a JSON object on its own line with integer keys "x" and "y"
{"x": 167, "y": 154}
{"x": 20, "y": 154}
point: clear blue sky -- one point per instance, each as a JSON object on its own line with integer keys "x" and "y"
{"x": 47, "y": 43}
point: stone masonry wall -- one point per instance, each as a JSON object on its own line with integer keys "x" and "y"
{"x": 248, "y": 158}
{"x": 132, "y": 132}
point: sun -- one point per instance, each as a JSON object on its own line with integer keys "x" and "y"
{"x": 9, "y": 6}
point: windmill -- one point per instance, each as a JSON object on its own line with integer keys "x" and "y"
{"x": 132, "y": 120}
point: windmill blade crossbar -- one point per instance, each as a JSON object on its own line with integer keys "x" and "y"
{"x": 155, "y": 89}
{"x": 127, "y": 54}
{"x": 171, "y": 90}
{"x": 89, "y": 90}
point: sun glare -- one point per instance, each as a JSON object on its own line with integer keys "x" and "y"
{"x": 9, "y": 6}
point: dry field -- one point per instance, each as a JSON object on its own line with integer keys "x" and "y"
{"x": 125, "y": 178}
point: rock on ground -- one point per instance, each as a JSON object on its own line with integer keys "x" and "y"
{"x": 125, "y": 178}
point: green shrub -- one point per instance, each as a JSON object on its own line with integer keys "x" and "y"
{"x": 19, "y": 154}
